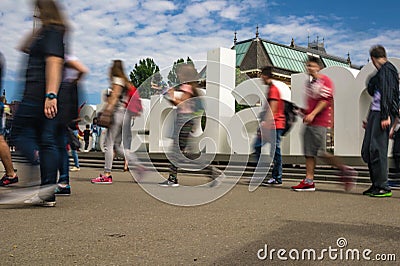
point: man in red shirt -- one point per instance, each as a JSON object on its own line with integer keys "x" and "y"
{"x": 273, "y": 119}
{"x": 317, "y": 118}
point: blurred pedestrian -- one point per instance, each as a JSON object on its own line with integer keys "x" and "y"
{"x": 272, "y": 120}
{"x": 116, "y": 108}
{"x": 184, "y": 97}
{"x": 38, "y": 119}
{"x": 73, "y": 72}
{"x": 96, "y": 132}
{"x": 10, "y": 176}
{"x": 86, "y": 137}
{"x": 319, "y": 91}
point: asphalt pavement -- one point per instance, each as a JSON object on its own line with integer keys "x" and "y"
{"x": 120, "y": 224}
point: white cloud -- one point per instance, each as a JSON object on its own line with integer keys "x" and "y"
{"x": 159, "y": 6}
{"x": 231, "y": 12}
{"x": 167, "y": 30}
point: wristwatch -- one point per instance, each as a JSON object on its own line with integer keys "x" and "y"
{"x": 51, "y": 95}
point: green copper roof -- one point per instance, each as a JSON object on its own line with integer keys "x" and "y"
{"x": 286, "y": 58}
{"x": 241, "y": 50}
{"x": 330, "y": 62}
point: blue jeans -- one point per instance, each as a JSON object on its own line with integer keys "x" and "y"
{"x": 33, "y": 131}
{"x": 277, "y": 168}
{"x": 64, "y": 162}
{"x": 75, "y": 157}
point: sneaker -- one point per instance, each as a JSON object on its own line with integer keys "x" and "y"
{"x": 6, "y": 180}
{"x": 170, "y": 182}
{"x": 75, "y": 169}
{"x": 381, "y": 193}
{"x": 348, "y": 177}
{"x": 303, "y": 186}
{"x": 369, "y": 191}
{"x": 62, "y": 190}
{"x": 36, "y": 201}
{"x": 271, "y": 182}
{"x": 102, "y": 179}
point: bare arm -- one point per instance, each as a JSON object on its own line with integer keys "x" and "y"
{"x": 53, "y": 78}
{"x": 178, "y": 100}
{"x": 269, "y": 116}
{"x": 320, "y": 106}
{"x": 81, "y": 68}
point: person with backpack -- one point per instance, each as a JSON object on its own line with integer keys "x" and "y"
{"x": 317, "y": 118}
{"x": 116, "y": 108}
{"x": 274, "y": 120}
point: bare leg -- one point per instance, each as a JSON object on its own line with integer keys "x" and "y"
{"x": 310, "y": 166}
{"x": 333, "y": 160}
{"x": 5, "y": 156}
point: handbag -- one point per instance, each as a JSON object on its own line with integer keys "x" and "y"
{"x": 105, "y": 118}
{"x": 73, "y": 139}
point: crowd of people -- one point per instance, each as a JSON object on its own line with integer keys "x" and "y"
{"x": 46, "y": 121}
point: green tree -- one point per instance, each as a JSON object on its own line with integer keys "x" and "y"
{"x": 141, "y": 76}
{"x": 240, "y": 77}
{"x": 172, "y": 78}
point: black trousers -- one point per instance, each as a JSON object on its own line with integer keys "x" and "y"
{"x": 375, "y": 149}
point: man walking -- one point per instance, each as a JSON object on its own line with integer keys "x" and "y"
{"x": 277, "y": 106}
{"x": 317, "y": 118}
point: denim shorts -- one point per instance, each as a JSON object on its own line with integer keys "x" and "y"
{"x": 314, "y": 140}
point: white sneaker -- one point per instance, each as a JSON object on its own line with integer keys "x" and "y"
{"x": 36, "y": 201}
{"x": 75, "y": 169}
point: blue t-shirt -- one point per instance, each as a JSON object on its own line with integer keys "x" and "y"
{"x": 48, "y": 42}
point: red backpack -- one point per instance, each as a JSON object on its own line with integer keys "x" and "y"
{"x": 134, "y": 104}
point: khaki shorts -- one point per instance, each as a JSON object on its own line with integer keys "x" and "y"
{"x": 314, "y": 141}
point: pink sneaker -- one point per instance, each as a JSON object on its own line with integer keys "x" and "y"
{"x": 348, "y": 177}
{"x": 102, "y": 179}
{"x": 303, "y": 186}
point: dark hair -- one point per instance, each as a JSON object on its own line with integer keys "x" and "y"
{"x": 377, "y": 51}
{"x": 313, "y": 59}
{"x": 87, "y": 125}
{"x": 267, "y": 71}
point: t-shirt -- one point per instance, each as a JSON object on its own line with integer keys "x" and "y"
{"x": 187, "y": 106}
{"x": 86, "y": 134}
{"x": 70, "y": 74}
{"x": 279, "y": 117}
{"x": 317, "y": 90}
{"x": 48, "y": 42}
{"x": 376, "y": 101}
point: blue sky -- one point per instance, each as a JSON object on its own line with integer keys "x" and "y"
{"x": 167, "y": 30}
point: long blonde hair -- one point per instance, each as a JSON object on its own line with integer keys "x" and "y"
{"x": 50, "y": 13}
{"x": 117, "y": 70}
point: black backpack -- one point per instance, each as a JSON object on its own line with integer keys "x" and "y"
{"x": 290, "y": 116}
